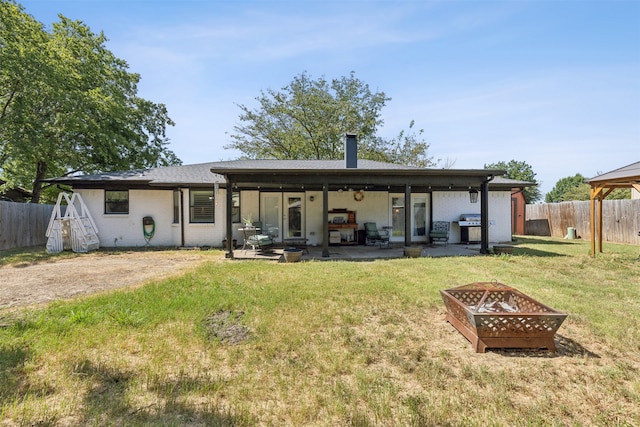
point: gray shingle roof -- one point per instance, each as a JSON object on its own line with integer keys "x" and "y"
{"x": 180, "y": 175}
{"x": 200, "y": 174}
{"x": 307, "y": 165}
{"x": 625, "y": 173}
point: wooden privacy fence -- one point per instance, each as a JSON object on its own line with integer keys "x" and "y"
{"x": 620, "y": 220}
{"x": 23, "y": 224}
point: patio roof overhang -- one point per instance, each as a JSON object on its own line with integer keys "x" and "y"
{"x": 396, "y": 180}
{"x": 377, "y": 177}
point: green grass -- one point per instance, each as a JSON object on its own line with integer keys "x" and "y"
{"x": 330, "y": 343}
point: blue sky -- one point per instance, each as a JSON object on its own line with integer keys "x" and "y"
{"x": 553, "y": 83}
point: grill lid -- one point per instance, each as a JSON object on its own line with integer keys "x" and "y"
{"x": 470, "y": 217}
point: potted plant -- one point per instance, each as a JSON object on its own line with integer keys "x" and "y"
{"x": 248, "y": 220}
{"x": 413, "y": 251}
{"x": 292, "y": 254}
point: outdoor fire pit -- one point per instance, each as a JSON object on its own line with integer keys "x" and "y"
{"x": 493, "y": 315}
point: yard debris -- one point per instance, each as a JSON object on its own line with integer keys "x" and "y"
{"x": 495, "y": 307}
{"x": 224, "y": 326}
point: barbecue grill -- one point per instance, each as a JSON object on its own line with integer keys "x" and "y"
{"x": 470, "y": 228}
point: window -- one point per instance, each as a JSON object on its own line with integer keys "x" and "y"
{"x": 235, "y": 207}
{"x": 201, "y": 206}
{"x": 176, "y": 206}
{"x": 116, "y": 201}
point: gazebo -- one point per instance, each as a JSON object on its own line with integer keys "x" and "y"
{"x": 601, "y": 186}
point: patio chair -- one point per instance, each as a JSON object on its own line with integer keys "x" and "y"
{"x": 440, "y": 231}
{"x": 253, "y": 237}
{"x": 374, "y": 236}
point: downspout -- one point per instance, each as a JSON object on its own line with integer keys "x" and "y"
{"x": 229, "y": 215}
{"x": 484, "y": 215}
{"x": 181, "y": 217}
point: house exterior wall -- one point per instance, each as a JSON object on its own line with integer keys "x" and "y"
{"x": 126, "y": 229}
{"x": 206, "y": 234}
{"x": 313, "y": 212}
{"x": 369, "y": 209}
{"x": 500, "y": 212}
{"x": 449, "y": 205}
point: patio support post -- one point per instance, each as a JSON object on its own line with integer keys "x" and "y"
{"x": 325, "y": 220}
{"x": 229, "y": 215}
{"x": 600, "y": 220}
{"x": 484, "y": 216}
{"x": 407, "y": 215}
{"x": 592, "y": 210}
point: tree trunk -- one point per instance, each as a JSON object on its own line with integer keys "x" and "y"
{"x": 37, "y": 183}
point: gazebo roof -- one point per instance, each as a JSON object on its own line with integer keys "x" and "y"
{"x": 601, "y": 186}
{"x": 624, "y": 177}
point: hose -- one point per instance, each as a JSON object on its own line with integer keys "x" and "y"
{"x": 148, "y": 235}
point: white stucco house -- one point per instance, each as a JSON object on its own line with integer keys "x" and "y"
{"x": 203, "y": 204}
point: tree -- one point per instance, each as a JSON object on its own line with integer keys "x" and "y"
{"x": 521, "y": 171}
{"x": 307, "y": 119}
{"x": 405, "y": 149}
{"x": 68, "y": 105}
{"x": 568, "y": 185}
{"x": 580, "y": 192}
{"x": 574, "y": 188}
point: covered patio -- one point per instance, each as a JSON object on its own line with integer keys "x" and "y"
{"x": 325, "y": 177}
{"x": 361, "y": 253}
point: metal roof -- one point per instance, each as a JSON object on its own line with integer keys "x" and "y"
{"x": 624, "y": 175}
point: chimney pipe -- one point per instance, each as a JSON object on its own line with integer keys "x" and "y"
{"x": 351, "y": 151}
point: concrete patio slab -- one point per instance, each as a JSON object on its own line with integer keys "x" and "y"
{"x": 362, "y": 253}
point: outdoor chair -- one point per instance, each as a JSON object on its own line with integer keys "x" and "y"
{"x": 374, "y": 236}
{"x": 254, "y": 238}
{"x": 440, "y": 231}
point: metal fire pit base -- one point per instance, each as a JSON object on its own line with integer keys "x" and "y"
{"x": 493, "y": 315}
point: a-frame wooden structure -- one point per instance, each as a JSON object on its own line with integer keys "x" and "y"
{"x": 601, "y": 185}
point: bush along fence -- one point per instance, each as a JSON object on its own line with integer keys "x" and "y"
{"x": 620, "y": 220}
{"x": 23, "y": 224}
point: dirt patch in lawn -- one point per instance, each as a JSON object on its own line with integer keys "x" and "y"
{"x": 224, "y": 326}
{"x": 62, "y": 278}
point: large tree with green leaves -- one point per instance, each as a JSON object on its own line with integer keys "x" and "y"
{"x": 571, "y": 186}
{"x": 68, "y": 105}
{"x": 521, "y": 171}
{"x": 575, "y": 188}
{"x": 307, "y": 119}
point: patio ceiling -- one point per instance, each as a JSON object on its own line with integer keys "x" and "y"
{"x": 395, "y": 180}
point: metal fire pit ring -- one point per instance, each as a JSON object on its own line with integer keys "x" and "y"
{"x": 494, "y": 315}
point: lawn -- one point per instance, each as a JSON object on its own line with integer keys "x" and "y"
{"x": 319, "y": 343}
